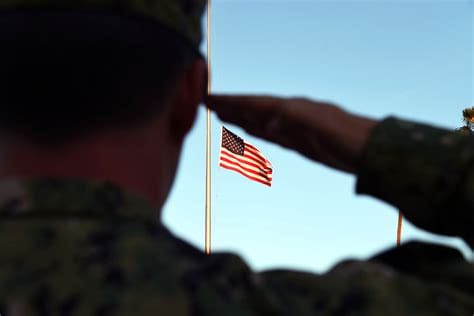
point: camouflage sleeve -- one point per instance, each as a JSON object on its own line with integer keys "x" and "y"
{"x": 424, "y": 171}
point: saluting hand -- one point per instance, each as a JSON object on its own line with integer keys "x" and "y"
{"x": 320, "y": 131}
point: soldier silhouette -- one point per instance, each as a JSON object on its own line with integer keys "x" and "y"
{"x": 96, "y": 98}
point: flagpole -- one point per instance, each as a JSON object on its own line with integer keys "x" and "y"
{"x": 207, "y": 246}
{"x": 399, "y": 228}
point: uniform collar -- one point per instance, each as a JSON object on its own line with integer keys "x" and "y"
{"x": 48, "y": 197}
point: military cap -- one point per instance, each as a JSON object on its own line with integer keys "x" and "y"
{"x": 181, "y": 16}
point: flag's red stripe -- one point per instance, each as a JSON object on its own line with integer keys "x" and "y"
{"x": 261, "y": 174}
{"x": 268, "y": 183}
{"x": 237, "y": 157}
{"x": 265, "y": 182}
{"x": 254, "y": 150}
{"x": 263, "y": 165}
{"x": 242, "y": 171}
{"x": 258, "y": 157}
{"x": 248, "y": 156}
{"x": 251, "y": 146}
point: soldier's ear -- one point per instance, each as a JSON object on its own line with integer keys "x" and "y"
{"x": 190, "y": 92}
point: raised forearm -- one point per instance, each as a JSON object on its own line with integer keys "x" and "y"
{"x": 424, "y": 171}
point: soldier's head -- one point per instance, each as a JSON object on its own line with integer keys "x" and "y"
{"x": 124, "y": 71}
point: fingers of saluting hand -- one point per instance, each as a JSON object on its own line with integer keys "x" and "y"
{"x": 253, "y": 113}
{"x": 235, "y": 108}
{"x": 269, "y": 117}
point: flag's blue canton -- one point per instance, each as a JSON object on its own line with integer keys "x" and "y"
{"x": 232, "y": 142}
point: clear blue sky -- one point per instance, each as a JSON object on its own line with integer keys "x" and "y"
{"x": 412, "y": 59}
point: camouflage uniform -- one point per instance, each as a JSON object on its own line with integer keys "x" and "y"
{"x": 75, "y": 248}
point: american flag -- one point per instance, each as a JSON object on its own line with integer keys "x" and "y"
{"x": 242, "y": 157}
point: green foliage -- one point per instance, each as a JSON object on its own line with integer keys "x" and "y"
{"x": 468, "y": 115}
{"x": 468, "y": 119}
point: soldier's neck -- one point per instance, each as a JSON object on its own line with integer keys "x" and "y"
{"x": 129, "y": 164}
